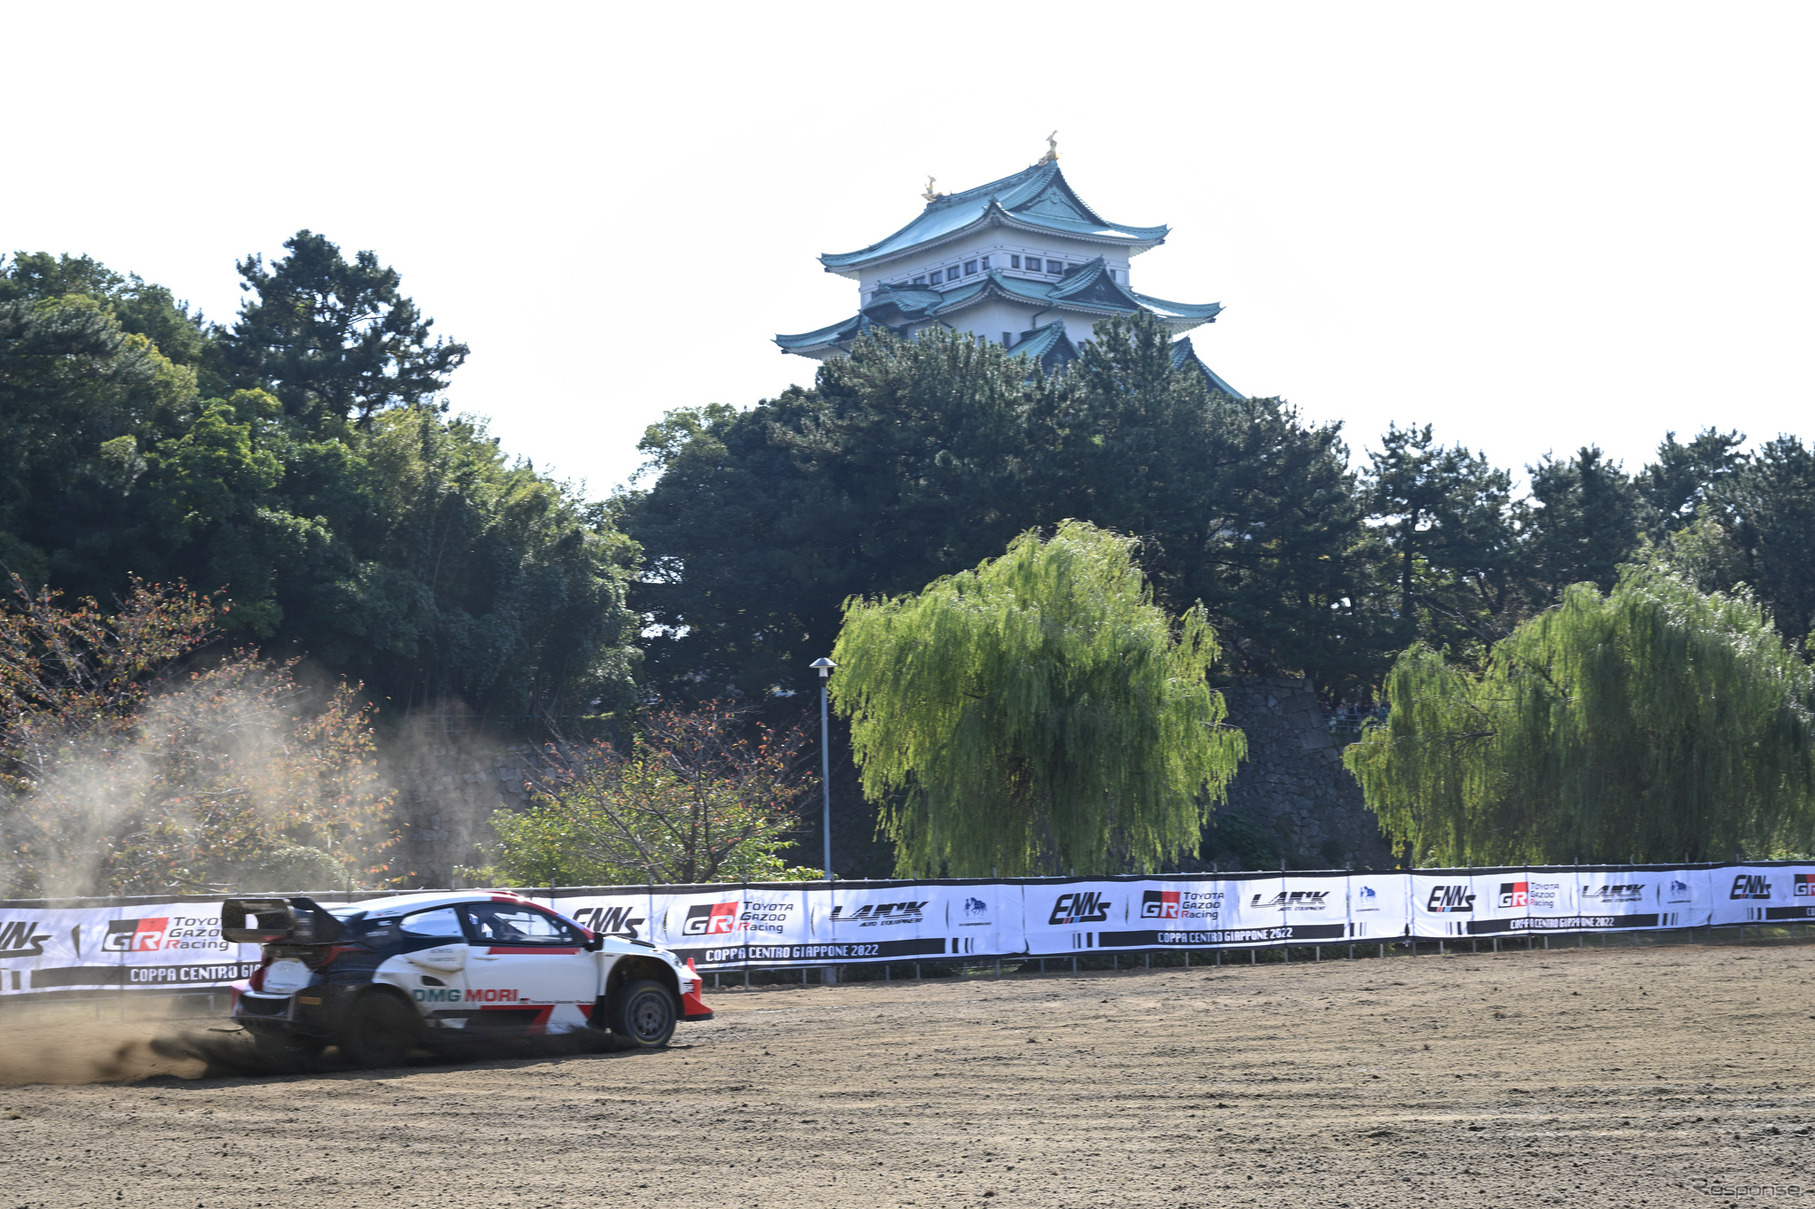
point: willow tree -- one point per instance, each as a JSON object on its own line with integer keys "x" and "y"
{"x": 1653, "y": 723}
{"x": 1035, "y": 714}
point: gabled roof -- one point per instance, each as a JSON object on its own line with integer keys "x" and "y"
{"x": 1183, "y": 354}
{"x": 1037, "y": 199}
{"x": 1048, "y": 345}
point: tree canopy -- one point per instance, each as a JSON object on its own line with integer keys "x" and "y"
{"x": 1036, "y": 714}
{"x": 1649, "y": 723}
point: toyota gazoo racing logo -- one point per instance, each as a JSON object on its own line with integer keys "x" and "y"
{"x": 1181, "y": 904}
{"x": 1514, "y": 895}
{"x": 21, "y": 938}
{"x": 1750, "y": 885}
{"x": 710, "y": 919}
{"x": 1603, "y": 895}
{"x": 1804, "y": 885}
{"x": 872, "y": 915}
{"x": 610, "y": 921}
{"x": 1290, "y": 900}
{"x": 1081, "y": 907}
{"x": 171, "y": 934}
{"x": 1449, "y": 899}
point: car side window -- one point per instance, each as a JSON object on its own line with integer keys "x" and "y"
{"x": 441, "y": 923}
{"x": 508, "y": 924}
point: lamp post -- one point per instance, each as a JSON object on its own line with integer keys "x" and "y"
{"x": 824, "y": 667}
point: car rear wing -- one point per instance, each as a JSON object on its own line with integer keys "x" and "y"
{"x": 270, "y": 921}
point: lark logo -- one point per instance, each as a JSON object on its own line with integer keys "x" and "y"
{"x": 880, "y": 913}
{"x": 21, "y": 938}
{"x": 1083, "y": 907}
{"x": 1603, "y": 895}
{"x": 1514, "y": 895}
{"x": 1290, "y": 900}
{"x": 710, "y": 919}
{"x": 1159, "y": 904}
{"x": 134, "y": 935}
{"x": 1450, "y": 898}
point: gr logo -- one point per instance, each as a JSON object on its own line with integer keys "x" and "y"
{"x": 134, "y": 935}
{"x": 710, "y": 919}
{"x": 1159, "y": 904}
{"x": 1514, "y": 894}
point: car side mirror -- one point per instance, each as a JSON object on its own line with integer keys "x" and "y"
{"x": 595, "y": 941}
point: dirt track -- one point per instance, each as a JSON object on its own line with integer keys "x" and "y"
{"x": 1611, "y": 1077}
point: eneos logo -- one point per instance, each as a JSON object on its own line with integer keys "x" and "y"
{"x": 1750, "y": 885}
{"x": 710, "y": 919}
{"x": 134, "y": 935}
{"x": 1159, "y": 904}
{"x": 1083, "y": 907}
{"x": 21, "y": 938}
{"x": 1514, "y": 895}
{"x": 1450, "y": 898}
{"x": 610, "y": 921}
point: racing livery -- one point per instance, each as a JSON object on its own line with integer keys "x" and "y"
{"x": 379, "y": 977}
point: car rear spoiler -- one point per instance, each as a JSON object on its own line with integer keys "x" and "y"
{"x": 269, "y": 921}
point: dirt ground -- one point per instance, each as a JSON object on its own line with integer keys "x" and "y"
{"x": 1622, "y": 1076}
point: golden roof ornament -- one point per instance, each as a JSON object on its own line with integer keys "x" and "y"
{"x": 930, "y": 194}
{"x": 1052, "y": 150}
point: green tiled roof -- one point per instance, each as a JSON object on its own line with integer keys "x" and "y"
{"x": 1183, "y": 354}
{"x": 1037, "y": 197}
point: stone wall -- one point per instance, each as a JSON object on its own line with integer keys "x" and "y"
{"x": 447, "y": 789}
{"x": 1293, "y": 789}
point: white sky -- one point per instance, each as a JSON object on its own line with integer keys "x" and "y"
{"x": 1536, "y": 225}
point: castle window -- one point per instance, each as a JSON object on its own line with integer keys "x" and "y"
{"x": 938, "y": 276}
{"x": 1054, "y": 266}
{"x": 970, "y": 267}
{"x": 1014, "y": 262}
{"x": 920, "y": 280}
{"x": 984, "y": 262}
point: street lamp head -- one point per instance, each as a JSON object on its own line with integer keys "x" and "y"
{"x": 824, "y": 665}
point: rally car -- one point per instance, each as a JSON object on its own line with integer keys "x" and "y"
{"x": 380, "y": 977}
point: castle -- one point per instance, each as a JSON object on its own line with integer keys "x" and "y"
{"x": 1021, "y": 261}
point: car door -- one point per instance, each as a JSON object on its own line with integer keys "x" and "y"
{"x": 527, "y": 968}
{"x": 434, "y": 953}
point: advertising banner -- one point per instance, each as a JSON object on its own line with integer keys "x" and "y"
{"x": 178, "y": 944}
{"x": 1071, "y": 915}
{"x": 166, "y": 945}
{"x": 1756, "y": 893}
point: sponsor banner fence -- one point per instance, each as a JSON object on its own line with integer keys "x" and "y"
{"x": 107, "y": 945}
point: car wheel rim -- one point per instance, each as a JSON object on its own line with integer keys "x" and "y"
{"x": 647, "y": 1017}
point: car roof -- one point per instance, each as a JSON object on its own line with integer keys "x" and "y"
{"x": 397, "y": 904}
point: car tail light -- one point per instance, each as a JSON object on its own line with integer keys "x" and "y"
{"x": 324, "y": 958}
{"x": 257, "y": 979}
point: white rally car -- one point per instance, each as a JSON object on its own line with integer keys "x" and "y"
{"x": 379, "y": 977}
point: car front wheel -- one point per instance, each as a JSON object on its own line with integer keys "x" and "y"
{"x": 644, "y": 1014}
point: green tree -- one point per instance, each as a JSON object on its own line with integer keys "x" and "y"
{"x": 1768, "y": 510}
{"x": 333, "y": 339}
{"x": 1587, "y": 522}
{"x": 704, "y": 795}
{"x": 1651, "y": 723}
{"x": 1448, "y": 533}
{"x": 1686, "y": 475}
{"x": 1036, "y": 714}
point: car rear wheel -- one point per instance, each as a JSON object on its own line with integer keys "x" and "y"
{"x": 644, "y": 1014}
{"x": 381, "y": 1031}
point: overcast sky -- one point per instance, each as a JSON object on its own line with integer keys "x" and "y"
{"x": 1537, "y": 226}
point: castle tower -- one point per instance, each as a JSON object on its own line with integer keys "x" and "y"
{"x": 1021, "y": 261}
